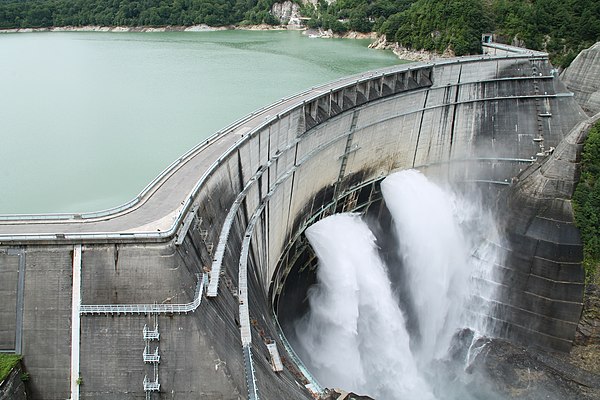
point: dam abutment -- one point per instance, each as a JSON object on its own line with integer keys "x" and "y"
{"x": 211, "y": 286}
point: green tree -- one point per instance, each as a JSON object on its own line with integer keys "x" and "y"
{"x": 586, "y": 202}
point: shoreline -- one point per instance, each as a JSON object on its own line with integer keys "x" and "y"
{"x": 404, "y": 53}
{"x": 379, "y": 41}
{"x": 320, "y": 33}
{"x": 125, "y": 29}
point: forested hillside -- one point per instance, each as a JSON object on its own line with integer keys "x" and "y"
{"x": 586, "y": 202}
{"x": 47, "y": 13}
{"x": 562, "y": 28}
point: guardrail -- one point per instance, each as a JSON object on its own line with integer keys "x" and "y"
{"x": 118, "y": 309}
{"x": 154, "y": 184}
{"x": 512, "y": 49}
{"x": 308, "y": 96}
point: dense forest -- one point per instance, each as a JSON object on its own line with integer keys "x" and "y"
{"x": 562, "y": 28}
{"x": 48, "y": 13}
{"x": 586, "y": 202}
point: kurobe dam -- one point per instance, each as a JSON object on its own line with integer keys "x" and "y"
{"x": 175, "y": 293}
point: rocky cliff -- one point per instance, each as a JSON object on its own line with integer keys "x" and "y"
{"x": 404, "y": 53}
{"x": 583, "y": 79}
{"x": 288, "y": 13}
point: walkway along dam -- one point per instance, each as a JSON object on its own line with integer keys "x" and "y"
{"x": 174, "y": 294}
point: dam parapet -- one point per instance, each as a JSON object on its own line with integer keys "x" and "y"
{"x": 238, "y": 217}
{"x": 499, "y": 49}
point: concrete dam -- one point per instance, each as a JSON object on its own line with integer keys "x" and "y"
{"x": 179, "y": 293}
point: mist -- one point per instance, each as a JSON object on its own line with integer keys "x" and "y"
{"x": 356, "y": 334}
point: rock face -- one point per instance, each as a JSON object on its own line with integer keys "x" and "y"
{"x": 338, "y": 394}
{"x": 513, "y": 372}
{"x": 495, "y": 369}
{"x": 406, "y": 54}
{"x": 588, "y": 330}
{"x": 288, "y": 14}
{"x": 315, "y": 3}
{"x": 583, "y": 79}
{"x": 586, "y": 351}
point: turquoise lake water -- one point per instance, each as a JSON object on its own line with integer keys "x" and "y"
{"x": 88, "y": 119}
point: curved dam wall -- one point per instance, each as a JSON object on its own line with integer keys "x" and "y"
{"x": 81, "y": 310}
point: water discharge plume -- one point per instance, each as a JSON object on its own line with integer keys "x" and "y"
{"x": 434, "y": 255}
{"x": 446, "y": 244}
{"x": 354, "y": 335}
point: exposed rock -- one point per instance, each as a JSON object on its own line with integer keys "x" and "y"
{"x": 519, "y": 373}
{"x": 583, "y": 79}
{"x": 328, "y": 34}
{"x": 288, "y": 13}
{"x": 260, "y": 27}
{"x": 316, "y": 2}
{"x": 359, "y": 35}
{"x": 380, "y": 43}
{"x": 319, "y": 33}
{"x": 338, "y": 394}
{"x": 407, "y": 54}
{"x": 586, "y": 350}
{"x": 588, "y": 330}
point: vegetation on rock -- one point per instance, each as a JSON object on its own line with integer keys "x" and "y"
{"x": 586, "y": 202}
{"x": 439, "y": 25}
{"x": 7, "y": 363}
{"x": 562, "y": 28}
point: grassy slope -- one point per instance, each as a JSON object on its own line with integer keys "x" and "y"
{"x": 7, "y": 363}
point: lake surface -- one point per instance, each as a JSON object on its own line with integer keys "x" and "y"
{"x": 88, "y": 119}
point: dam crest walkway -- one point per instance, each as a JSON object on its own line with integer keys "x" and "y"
{"x": 163, "y": 210}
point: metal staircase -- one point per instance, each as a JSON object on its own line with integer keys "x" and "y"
{"x": 151, "y": 357}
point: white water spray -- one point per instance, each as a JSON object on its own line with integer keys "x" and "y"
{"x": 355, "y": 337}
{"x": 433, "y": 252}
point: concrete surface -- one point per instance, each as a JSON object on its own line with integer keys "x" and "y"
{"x": 9, "y": 274}
{"x": 582, "y": 77}
{"x": 13, "y": 387}
{"x": 469, "y": 119}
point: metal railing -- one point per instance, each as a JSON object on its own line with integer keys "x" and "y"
{"x": 151, "y": 386}
{"x": 250, "y": 373}
{"x": 151, "y": 334}
{"x": 118, "y": 309}
{"x": 154, "y": 184}
{"x": 151, "y": 357}
{"x": 310, "y": 95}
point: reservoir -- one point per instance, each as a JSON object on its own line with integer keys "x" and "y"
{"x": 88, "y": 119}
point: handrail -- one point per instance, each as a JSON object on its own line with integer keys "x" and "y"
{"x": 153, "y": 185}
{"x": 148, "y": 308}
{"x": 310, "y": 94}
{"x": 513, "y": 49}
{"x": 170, "y": 168}
{"x": 364, "y": 77}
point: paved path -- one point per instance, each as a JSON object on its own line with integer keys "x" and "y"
{"x": 160, "y": 207}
